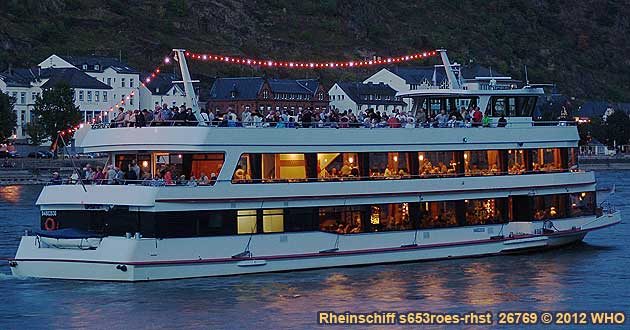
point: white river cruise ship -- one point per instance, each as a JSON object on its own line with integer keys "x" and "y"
{"x": 301, "y": 198}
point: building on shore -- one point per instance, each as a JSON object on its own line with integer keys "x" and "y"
{"x": 595, "y": 148}
{"x": 100, "y": 84}
{"x": 265, "y": 95}
{"x": 602, "y": 109}
{"x": 25, "y": 85}
{"x": 357, "y": 96}
{"x": 122, "y": 78}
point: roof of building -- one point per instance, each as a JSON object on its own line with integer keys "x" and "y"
{"x": 595, "y": 142}
{"x": 244, "y": 88}
{"x": 248, "y": 88}
{"x": 12, "y": 81}
{"x": 162, "y": 83}
{"x": 24, "y": 77}
{"x": 305, "y": 86}
{"x": 419, "y": 74}
{"x": 102, "y": 62}
{"x": 598, "y": 108}
{"x": 73, "y": 77}
{"x": 356, "y": 92}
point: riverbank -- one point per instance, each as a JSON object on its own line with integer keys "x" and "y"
{"x": 604, "y": 163}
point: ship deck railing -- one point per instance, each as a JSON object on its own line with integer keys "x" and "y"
{"x": 376, "y": 177}
{"x": 334, "y": 125}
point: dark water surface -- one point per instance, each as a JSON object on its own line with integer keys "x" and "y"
{"x": 594, "y": 275}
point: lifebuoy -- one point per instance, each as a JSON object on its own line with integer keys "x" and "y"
{"x": 50, "y": 224}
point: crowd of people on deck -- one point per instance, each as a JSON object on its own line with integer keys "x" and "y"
{"x": 132, "y": 174}
{"x": 308, "y": 118}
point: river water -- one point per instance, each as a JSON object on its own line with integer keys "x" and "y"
{"x": 594, "y": 275}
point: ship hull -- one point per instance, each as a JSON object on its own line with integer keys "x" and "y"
{"x": 146, "y": 259}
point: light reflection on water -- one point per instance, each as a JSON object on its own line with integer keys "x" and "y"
{"x": 11, "y": 194}
{"x": 589, "y": 276}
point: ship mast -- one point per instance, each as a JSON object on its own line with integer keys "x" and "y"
{"x": 189, "y": 89}
{"x": 452, "y": 80}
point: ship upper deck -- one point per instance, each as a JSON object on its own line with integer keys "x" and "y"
{"x": 263, "y": 137}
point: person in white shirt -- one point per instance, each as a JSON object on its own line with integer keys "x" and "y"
{"x": 205, "y": 117}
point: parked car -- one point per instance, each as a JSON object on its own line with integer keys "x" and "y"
{"x": 9, "y": 154}
{"x": 40, "y": 154}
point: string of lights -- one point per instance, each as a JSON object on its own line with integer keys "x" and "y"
{"x": 205, "y": 57}
{"x": 308, "y": 64}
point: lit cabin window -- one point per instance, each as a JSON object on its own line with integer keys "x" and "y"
{"x": 246, "y": 222}
{"x": 337, "y": 166}
{"x": 273, "y": 221}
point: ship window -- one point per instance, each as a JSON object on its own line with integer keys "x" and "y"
{"x": 546, "y": 160}
{"x": 482, "y": 162}
{"x": 438, "y": 214}
{"x": 273, "y": 221}
{"x": 516, "y": 161}
{"x": 342, "y": 220}
{"x": 270, "y": 168}
{"x": 300, "y": 219}
{"x": 389, "y": 165}
{"x": 190, "y": 165}
{"x": 572, "y": 162}
{"x": 515, "y": 106}
{"x": 437, "y": 164}
{"x": 337, "y": 166}
{"x": 246, "y": 221}
{"x": 549, "y": 207}
{"x": 485, "y": 211}
{"x": 389, "y": 217}
{"x": 581, "y": 204}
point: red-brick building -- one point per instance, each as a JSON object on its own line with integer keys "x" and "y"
{"x": 266, "y": 95}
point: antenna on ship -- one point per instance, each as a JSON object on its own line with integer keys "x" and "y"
{"x": 526, "y": 77}
{"x": 189, "y": 89}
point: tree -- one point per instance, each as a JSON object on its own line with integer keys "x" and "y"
{"x": 617, "y": 128}
{"x": 8, "y": 118}
{"x": 36, "y": 133}
{"x": 56, "y": 112}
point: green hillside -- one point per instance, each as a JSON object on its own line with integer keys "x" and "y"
{"x": 583, "y": 46}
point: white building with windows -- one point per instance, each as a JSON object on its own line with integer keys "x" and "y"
{"x": 100, "y": 84}
{"x": 123, "y": 79}
{"x": 25, "y": 85}
{"x": 357, "y": 96}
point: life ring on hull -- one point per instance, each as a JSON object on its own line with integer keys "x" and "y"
{"x": 51, "y": 224}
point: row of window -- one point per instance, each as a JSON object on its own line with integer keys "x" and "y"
{"x": 335, "y": 219}
{"x": 81, "y": 96}
{"x": 257, "y": 168}
{"x": 123, "y": 82}
{"x": 288, "y": 96}
{"x": 22, "y": 97}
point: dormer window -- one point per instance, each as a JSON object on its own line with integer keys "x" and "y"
{"x": 265, "y": 94}
{"x": 97, "y": 67}
{"x": 84, "y": 66}
{"x": 233, "y": 94}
